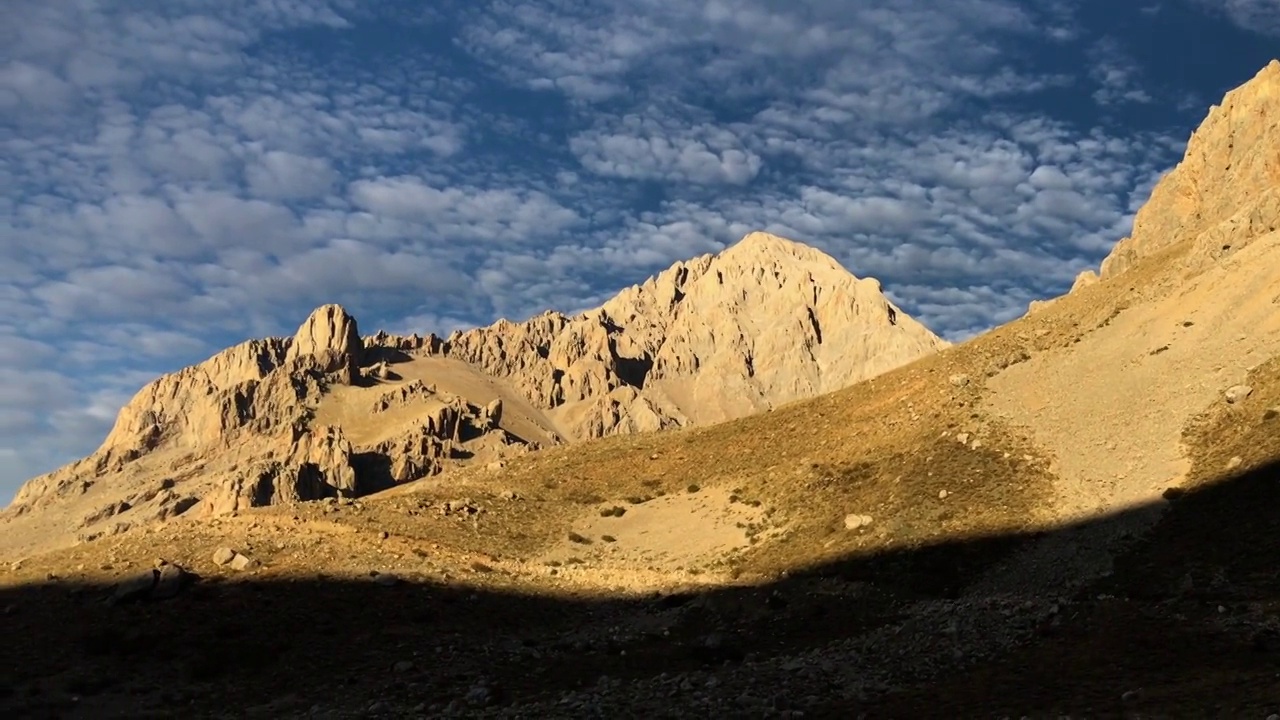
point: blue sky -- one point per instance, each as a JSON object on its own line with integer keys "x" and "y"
{"x": 178, "y": 176}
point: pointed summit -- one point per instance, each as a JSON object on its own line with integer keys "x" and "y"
{"x": 762, "y": 247}
{"x": 1228, "y": 182}
{"x": 766, "y": 321}
{"x": 331, "y": 336}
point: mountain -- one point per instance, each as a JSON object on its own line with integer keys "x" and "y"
{"x": 765, "y": 322}
{"x": 1226, "y": 190}
{"x": 1069, "y": 515}
{"x": 328, "y": 413}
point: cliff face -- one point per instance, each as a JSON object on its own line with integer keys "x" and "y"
{"x": 1226, "y": 189}
{"x": 765, "y": 322}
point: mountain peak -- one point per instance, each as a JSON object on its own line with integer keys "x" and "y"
{"x": 1226, "y": 183}
{"x": 757, "y": 248}
{"x": 331, "y": 336}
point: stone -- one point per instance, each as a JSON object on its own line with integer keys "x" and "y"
{"x": 386, "y": 579}
{"x": 479, "y": 696}
{"x": 170, "y": 580}
{"x": 330, "y": 337}
{"x": 960, "y": 380}
{"x": 1234, "y": 462}
{"x": 135, "y": 588}
{"x": 942, "y": 494}
{"x": 600, "y": 362}
{"x": 1237, "y": 393}
{"x": 241, "y": 563}
{"x": 764, "y": 322}
{"x": 855, "y": 521}
{"x": 223, "y": 556}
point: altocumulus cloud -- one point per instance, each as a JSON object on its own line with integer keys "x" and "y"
{"x": 178, "y": 175}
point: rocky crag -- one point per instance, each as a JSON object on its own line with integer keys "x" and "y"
{"x": 1222, "y": 195}
{"x": 327, "y": 413}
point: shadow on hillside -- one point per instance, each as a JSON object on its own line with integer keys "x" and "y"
{"x": 1185, "y": 626}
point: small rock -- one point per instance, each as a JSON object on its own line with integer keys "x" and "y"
{"x": 223, "y": 556}
{"x": 479, "y": 696}
{"x": 383, "y": 535}
{"x": 386, "y": 579}
{"x": 1271, "y": 413}
{"x": 403, "y": 666}
{"x": 942, "y": 494}
{"x": 1131, "y": 696}
{"x": 960, "y": 380}
{"x": 135, "y": 588}
{"x": 169, "y": 582}
{"x": 1236, "y": 393}
{"x": 855, "y": 521}
{"x": 242, "y": 562}
{"x": 1235, "y": 462}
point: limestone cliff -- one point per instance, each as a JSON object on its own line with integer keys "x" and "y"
{"x": 765, "y": 322}
{"x": 1226, "y": 189}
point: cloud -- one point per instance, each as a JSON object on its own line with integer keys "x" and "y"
{"x": 641, "y": 149}
{"x": 463, "y": 212}
{"x": 1117, "y": 75}
{"x": 1258, "y": 16}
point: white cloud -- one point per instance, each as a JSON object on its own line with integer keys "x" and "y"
{"x": 464, "y": 212}
{"x": 1116, "y": 74}
{"x": 641, "y": 149}
{"x": 1260, "y": 16}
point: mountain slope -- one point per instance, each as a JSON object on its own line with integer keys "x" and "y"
{"x": 327, "y": 413}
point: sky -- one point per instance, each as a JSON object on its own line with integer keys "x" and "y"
{"x": 177, "y": 176}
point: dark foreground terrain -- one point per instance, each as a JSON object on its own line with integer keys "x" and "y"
{"x": 1187, "y": 625}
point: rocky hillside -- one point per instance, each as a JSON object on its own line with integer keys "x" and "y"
{"x": 327, "y": 413}
{"x": 718, "y": 337}
{"x": 1226, "y": 190}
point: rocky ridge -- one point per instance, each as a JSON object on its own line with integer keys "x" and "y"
{"x": 765, "y": 322}
{"x": 327, "y": 413}
{"x": 1224, "y": 193}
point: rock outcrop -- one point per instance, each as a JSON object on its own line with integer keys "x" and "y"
{"x": 326, "y": 413}
{"x": 330, "y": 339}
{"x": 1226, "y": 189}
{"x": 765, "y": 322}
